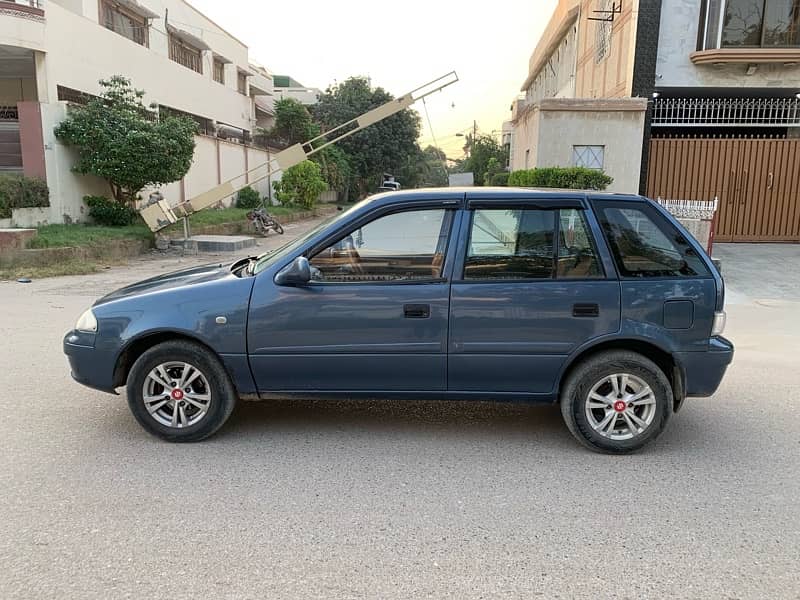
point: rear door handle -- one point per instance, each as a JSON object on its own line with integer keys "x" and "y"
{"x": 416, "y": 311}
{"x": 585, "y": 310}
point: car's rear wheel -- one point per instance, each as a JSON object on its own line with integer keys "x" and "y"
{"x": 180, "y": 392}
{"x": 616, "y": 402}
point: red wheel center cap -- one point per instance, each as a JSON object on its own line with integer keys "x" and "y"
{"x": 619, "y": 406}
{"x": 177, "y": 394}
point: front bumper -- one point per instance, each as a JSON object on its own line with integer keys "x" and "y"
{"x": 703, "y": 371}
{"x": 89, "y": 366}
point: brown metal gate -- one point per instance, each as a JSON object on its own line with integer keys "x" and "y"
{"x": 757, "y": 182}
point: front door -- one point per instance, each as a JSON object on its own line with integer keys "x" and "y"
{"x": 532, "y": 288}
{"x": 373, "y": 318}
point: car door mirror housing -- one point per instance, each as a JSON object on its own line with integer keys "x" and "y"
{"x": 297, "y": 272}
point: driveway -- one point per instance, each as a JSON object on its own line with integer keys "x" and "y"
{"x": 397, "y": 499}
{"x": 766, "y": 271}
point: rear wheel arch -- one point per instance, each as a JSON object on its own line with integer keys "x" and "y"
{"x": 662, "y": 358}
{"x": 138, "y": 346}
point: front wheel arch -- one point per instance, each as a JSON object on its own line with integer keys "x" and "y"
{"x": 138, "y": 346}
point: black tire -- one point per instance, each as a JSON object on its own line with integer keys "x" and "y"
{"x": 575, "y": 395}
{"x": 222, "y": 399}
{"x": 278, "y": 228}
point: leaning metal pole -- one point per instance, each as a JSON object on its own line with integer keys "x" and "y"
{"x": 161, "y": 214}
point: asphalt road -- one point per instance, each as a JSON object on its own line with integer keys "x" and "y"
{"x": 390, "y": 499}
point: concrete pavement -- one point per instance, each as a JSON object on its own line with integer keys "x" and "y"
{"x": 390, "y": 499}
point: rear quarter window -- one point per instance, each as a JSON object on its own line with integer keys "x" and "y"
{"x": 645, "y": 244}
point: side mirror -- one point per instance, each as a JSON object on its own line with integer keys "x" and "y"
{"x": 298, "y": 272}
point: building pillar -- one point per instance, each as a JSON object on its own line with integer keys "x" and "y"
{"x": 644, "y": 73}
{"x": 43, "y": 92}
{"x": 31, "y": 139}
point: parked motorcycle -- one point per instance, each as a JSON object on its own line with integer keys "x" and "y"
{"x": 263, "y": 221}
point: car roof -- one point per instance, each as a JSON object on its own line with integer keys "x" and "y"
{"x": 491, "y": 193}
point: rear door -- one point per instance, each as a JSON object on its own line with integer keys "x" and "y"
{"x": 530, "y": 287}
{"x": 668, "y": 292}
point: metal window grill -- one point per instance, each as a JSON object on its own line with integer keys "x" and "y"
{"x": 726, "y": 112}
{"x": 590, "y": 157}
{"x": 184, "y": 54}
{"x": 73, "y": 96}
{"x": 603, "y": 29}
{"x": 9, "y": 113}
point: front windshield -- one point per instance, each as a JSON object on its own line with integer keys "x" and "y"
{"x": 266, "y": 259}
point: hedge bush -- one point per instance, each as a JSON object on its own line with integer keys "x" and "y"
{"x": 248, "y": 198}
{"x": 109, "y": 212}
{"x": 500, "y": 179}
{"x": 575, "y": 178}
{"x": 17, "y": 191}
{"x": 301, "y": 185}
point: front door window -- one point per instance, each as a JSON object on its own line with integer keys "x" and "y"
{"x": 404, "y": 246}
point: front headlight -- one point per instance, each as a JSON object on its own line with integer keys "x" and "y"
{"x": 87, "y": 322}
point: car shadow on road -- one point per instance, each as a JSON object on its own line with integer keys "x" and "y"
{"x": 434, "y": 419}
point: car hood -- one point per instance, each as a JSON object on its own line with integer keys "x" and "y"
{"x": 170, "y": 281}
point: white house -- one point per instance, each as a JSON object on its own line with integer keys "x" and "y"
{"x": 55, "y": 53}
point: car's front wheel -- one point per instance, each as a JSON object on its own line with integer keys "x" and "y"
{"x": 616, "y": 402}
{"x": 180, "y": 392}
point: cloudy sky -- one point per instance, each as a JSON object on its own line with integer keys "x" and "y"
{"x": 399, "y": 45}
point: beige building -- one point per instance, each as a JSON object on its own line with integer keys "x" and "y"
{"x": 679, "y": 99}
{"x": 585, "y": 54}
{"x": 53, "y": 54}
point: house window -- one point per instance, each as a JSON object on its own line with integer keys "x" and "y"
{"x": 750, "y": 24}
{"x": 219, "y": 71}
{"x": 185, "y": 54}
{"x": 590, "y": 157}
{"x": 241, "y": 83}
{"x": 602, "y": 43}
{"x": 124, "y": 22}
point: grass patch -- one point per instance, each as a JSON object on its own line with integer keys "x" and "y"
{"x": 70, "y": 236}
{"x": 69, "y": 267}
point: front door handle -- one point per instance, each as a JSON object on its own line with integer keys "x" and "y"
{"x": 416, "y": 311}
{"x": 585, "y": 310}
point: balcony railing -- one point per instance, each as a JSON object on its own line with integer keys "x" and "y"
{"x": 31, "y": 3}
{"x": 25, "y": 9}
{"x": 726, "y": 112}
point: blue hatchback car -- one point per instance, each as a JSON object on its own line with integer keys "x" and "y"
{"x": 600, "y": 302}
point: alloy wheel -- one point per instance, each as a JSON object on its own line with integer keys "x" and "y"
{"x": 620, "y": 406}
{"x": 176, "y": 394}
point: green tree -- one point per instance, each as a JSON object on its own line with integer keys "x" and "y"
{"x": 293, "y": 124}
{"x": 482, "y": 149}
{"x": 122, "y": 141}
{"x": 335, "y": 167}
{"x": 492, "y": 168}
{"x": 423, "y": 168}
{"x": 382, "y": 147}
{"x": 301, "y": 185}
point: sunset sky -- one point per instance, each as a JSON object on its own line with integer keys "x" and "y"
{"x": 399, "y": 46}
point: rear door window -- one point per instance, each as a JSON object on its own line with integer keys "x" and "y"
{"x": 644, "y": 244}
{"x": 520, "y": 244}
